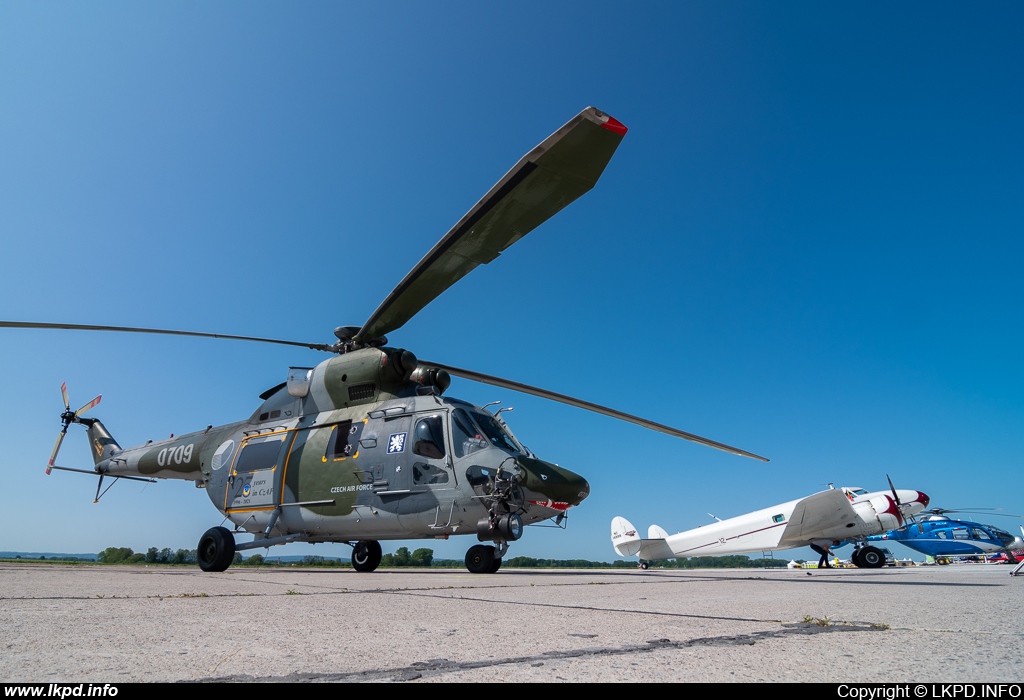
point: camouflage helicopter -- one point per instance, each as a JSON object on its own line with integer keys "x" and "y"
{"x": 365, "y": 446}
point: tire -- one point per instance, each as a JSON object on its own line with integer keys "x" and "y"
{"x": 366, "y": 555}
{"x": 216, "y": 549}
{"x": 872, "y": 558}
{"x": 644, "y": 565}
{"x": 855, "y": 558}
{"x": 480, "y": 558}
{"x": 496, "y": 565}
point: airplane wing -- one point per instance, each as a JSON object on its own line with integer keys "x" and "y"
{"x": 814, "y": 516}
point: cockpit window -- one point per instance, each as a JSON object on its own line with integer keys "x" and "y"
{"x": 467, "y": 437}
{"x": 980, "y": 534}
{"x": 495, "y": 433}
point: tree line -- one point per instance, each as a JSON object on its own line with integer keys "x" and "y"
{"x": 424, "y": 558}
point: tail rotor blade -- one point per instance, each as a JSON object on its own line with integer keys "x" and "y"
{"x": 87, "y": 406}
{"x": 56, "y": 447}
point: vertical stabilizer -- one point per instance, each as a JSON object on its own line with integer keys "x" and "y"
{"x": 100, "y": 441}
{"x": 624, "y": 537}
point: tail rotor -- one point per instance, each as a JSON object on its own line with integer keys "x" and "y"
{"x": 67, "y": 418}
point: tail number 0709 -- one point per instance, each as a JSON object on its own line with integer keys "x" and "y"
{"x": 182, "y": 454}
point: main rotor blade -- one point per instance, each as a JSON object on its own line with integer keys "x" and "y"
{"x": 159, "y": 331}
{"x": 579, "y": 403}
{"x": 564, "y": 166}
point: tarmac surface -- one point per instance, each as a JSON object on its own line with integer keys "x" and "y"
{"x": 109, "y": 624}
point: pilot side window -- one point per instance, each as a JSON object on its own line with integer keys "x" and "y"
{"x": 428, "y": 438}
{"x": 465, "y": 434}
{"x": 961, "y": 533}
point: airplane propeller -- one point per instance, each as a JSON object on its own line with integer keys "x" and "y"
{"x": 899, "y": 504}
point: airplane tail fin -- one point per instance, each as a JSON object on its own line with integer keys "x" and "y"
{"x": 624, "y": 537}
{"x": 656, "y": 533}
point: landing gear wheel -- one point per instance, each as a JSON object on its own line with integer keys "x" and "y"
{"x": 644, "y": 565}
{"x": 366, "y": 555}
{"x": 855, "y": 558}
{"x": 216, "y": 549}
{"x": 872, "y": 558}
{"x": 495, "y": 566}
{"x": 480, "y": 559}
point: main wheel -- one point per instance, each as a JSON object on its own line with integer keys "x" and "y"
{"x": 644, "y": 565}
{"x": 855, "y": 558}
{"x": 480, "y": 558}
{"x": 496, "y": 565}
{"x": 872, "y": 558}
{"x": 216, "y": 549}
{"x": 366, "y": 555}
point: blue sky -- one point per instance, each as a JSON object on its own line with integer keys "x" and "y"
{"x": 808, "y": 245}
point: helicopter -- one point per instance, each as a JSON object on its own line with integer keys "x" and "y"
{"x": 365, "y": 446}
{"x": 941, "y": 537}
{"x": 827, "y": 518}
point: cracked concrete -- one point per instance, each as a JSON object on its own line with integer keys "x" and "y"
{"x": 109, "y": 624}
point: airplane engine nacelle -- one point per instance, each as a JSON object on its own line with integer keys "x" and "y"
{"x": 625, "y": 538}
{"x": 881, "y": 512}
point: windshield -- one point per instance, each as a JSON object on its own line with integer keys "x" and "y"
{"x": 495, "y": 433}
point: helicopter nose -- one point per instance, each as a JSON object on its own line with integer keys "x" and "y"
{"x": 563, "y": 488}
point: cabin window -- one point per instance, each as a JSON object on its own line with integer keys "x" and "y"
{"x": 778, "y": 518}
{"x": 344, "y": 441}
{"x": 980, "y": 534}
{"x": 428, "y": 474}
{"x": 961, "y": 533}
{"x": 428, "y": 440}
{"x": 258, "y": 455}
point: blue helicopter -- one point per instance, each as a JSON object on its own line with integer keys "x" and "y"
{"x": 936, "y": 535}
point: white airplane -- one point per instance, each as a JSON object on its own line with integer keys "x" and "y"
{"x": 823, "y": 519}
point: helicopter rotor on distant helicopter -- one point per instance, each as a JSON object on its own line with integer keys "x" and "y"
{"x": 365, "y": 446}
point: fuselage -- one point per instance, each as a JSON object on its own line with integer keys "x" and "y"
{"x": 940, "y": 536}
{"x": 340, "y": 453}
{"x": 827, "y": 517}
